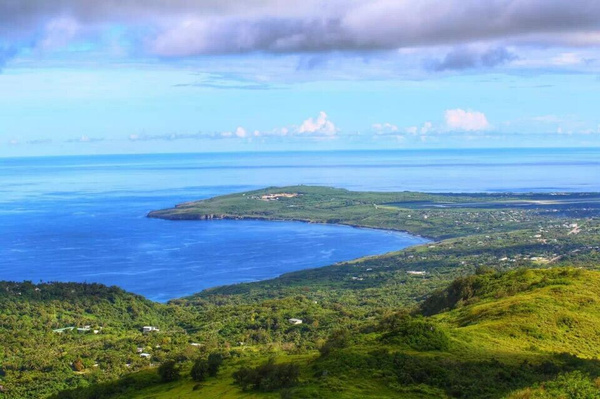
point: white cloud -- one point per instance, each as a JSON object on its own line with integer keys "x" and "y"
{"x": 85, "y": 139}
{"x": 321, "y": 125}
{"x": 566, "y": 59}
{"x": 457, "y": 120}
{"x": 426, "y": 128}
{"x": 466, "y": 120}
{"x": 240, "y": 132}
{"x": 392, "y": 130}
{"x": 385, "y": 128}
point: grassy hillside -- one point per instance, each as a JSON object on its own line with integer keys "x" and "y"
{"x": 518, "y": 334}
{"x": 541, "y": 311}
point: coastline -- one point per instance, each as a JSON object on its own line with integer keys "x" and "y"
{"x": 209, "y": 217}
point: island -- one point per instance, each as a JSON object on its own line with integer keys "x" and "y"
{"x": 503, "y": 303}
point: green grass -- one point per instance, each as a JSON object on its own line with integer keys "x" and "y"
{"x": 540, "y": 311}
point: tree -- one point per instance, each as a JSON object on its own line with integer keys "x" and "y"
{"x": 168, "y": 371}
{"x": 338, "y": 339}
{"x": 200, "y": 370}
{"x": 245, "y": 377}
{"x": 267, "y": 377}
{"x": 214, "y": 363}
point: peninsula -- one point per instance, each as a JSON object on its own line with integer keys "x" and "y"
{"x": 437, "y": 216}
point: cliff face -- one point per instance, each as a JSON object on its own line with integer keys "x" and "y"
{"x": 167, "y": 215}
{"x": 163, "y": 214}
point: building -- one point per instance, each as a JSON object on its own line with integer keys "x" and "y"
{"x": 61, "y": 330}
{"x": 145, "y": 355}
{"x": 416, "y": 273}
{"x": 149, "y": 329}
{"x": 295, "y": 321}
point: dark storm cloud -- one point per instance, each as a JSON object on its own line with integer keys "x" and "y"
{"x": 181, "y": 28}
{"x": 464, "y": 58}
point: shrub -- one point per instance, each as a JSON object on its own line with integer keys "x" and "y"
{"x": 267, "y": 377}
{"x": 168, "y": 371}
{"x": 417, "y": 333}
{"x": 200, "y": 370}
{"x": 214, "y": 363}
{"x": 574, "y": 385}
{"x": 338, "y": 339}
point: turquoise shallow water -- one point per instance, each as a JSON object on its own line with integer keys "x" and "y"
{"x": 83, "y": 218}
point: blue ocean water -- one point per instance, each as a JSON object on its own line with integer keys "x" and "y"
{"x": 83, "y": 218}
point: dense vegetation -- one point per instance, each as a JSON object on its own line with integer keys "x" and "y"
{"x": 475, "y": 314}
{"x": 521, "y": 334}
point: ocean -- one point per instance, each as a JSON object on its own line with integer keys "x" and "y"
{"x": 83, "y": 218}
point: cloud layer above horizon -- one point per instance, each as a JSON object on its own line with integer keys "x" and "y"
{"x": 184, "y": 28}
{"x": 96, "y": 72}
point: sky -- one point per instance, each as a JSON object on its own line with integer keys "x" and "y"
{"x": 152, "y": 76}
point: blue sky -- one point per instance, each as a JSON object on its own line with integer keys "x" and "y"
{"x": 83, "y": 77}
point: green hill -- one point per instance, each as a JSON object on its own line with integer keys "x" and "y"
{"x": 518, "y": 334}
{"x": 543, "y": 311}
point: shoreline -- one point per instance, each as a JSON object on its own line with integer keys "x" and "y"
{"x": 212, "y": 217}
{"x": 167, "y": 301}
{"x": 208, "y": 218}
